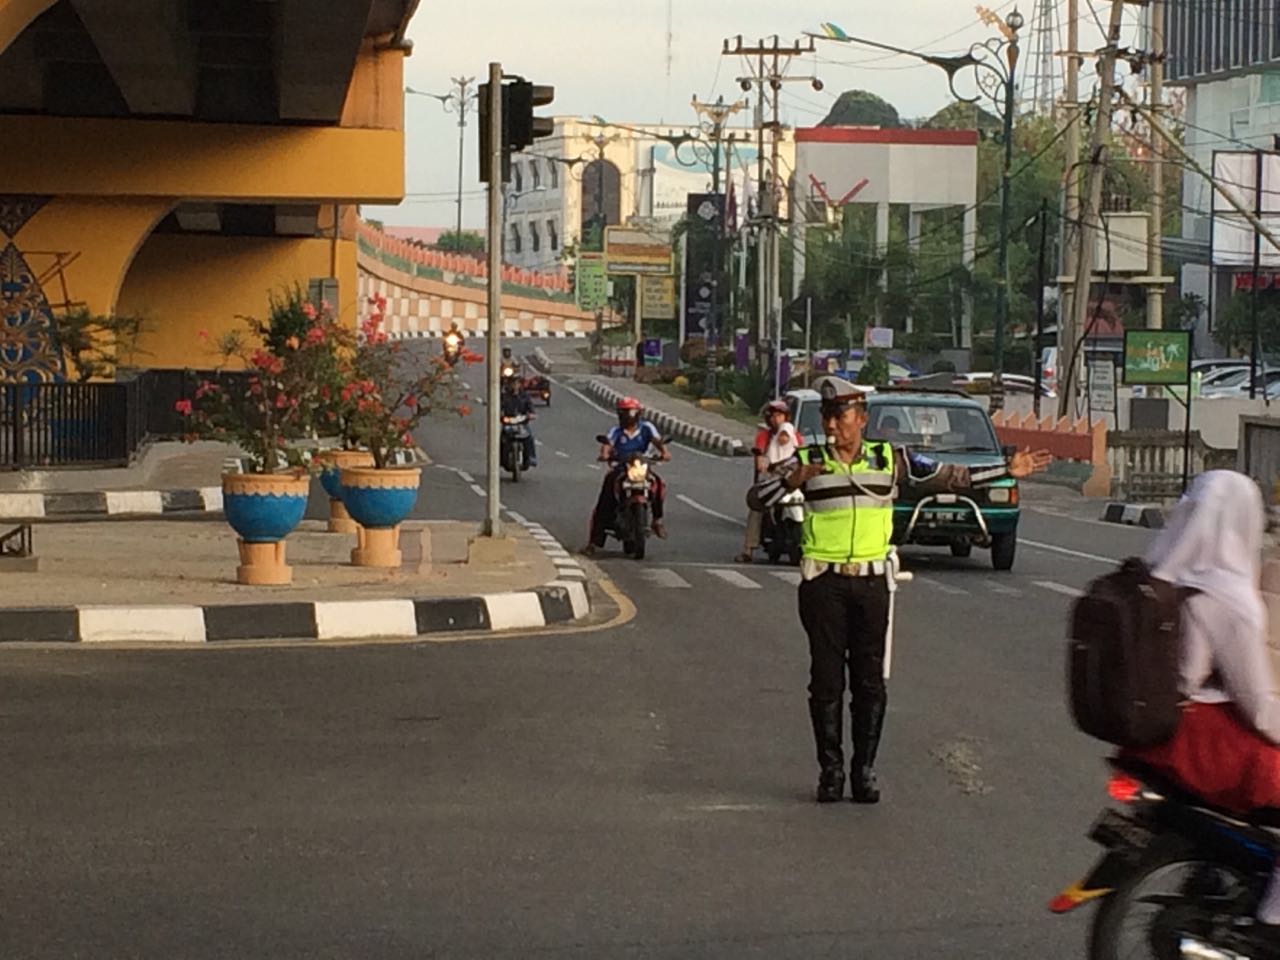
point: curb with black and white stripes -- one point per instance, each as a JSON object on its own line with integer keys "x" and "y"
{"x": 479, "y": 334}
{"x": 109, "y": 503}
{"x": 1135, "y": 515}
{"x": 561, "y": 600}
{"x": 673, "y": 426}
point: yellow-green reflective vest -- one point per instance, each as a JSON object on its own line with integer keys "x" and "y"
{"x": 848, "y": 511}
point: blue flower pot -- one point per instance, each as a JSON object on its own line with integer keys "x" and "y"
{"x": 263, "y": 507}
{"x": 380, "y": 498}
{"x": 334, "y": 461}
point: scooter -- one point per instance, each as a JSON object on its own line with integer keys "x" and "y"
{"x": 783, "y": 529}
{"x": 513, "y": 453}
{"x": 631, "y": 523}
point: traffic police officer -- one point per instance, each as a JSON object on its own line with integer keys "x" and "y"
{"x": 849, "y": 487}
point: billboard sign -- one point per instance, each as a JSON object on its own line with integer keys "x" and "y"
{"x": 591, "y": 282}
{"x": 658, "y": 297}
{"x": 1157, "y": 357}
{"x": 1238, "y": 172}
{"x": 633, "y": 250}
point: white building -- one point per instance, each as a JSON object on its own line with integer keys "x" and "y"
{"x": 624, "y": 172}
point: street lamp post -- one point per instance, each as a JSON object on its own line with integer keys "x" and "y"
{"x": 994, "y": 63}
{"x": 457, "y": 100}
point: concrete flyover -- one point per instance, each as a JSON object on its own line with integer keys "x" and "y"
{"x": 427, "y": 291}
{"x": 181, "y": 161}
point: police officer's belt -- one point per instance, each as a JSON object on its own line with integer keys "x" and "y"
{"x": 873, "y": 568}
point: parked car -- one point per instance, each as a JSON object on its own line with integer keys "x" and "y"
{"x": 1233, "y": 388}
{"x": 1013, "y": 383}
{"x": 950, "y": 428}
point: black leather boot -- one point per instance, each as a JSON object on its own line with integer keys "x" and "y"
{"x": 867, "y": 716}
{"x": 828, "y": 724}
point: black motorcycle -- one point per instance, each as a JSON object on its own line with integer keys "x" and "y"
{"x": 514, "y": 448}
{"x": 782, "y": 529}
{"x": 632, "y": 491}
{"x": 1179, "y": 878}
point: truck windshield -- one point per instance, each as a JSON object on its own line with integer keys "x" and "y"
{"x": 936, "y": 429}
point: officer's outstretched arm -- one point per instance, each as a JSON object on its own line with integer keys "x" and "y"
{"x": 927, "y": 475}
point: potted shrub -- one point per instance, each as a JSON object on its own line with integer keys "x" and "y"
{"x": 388, "y": 397}
{"x": 262, "y": 410}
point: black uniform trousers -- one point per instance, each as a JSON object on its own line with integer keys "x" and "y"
{"x": 847, "y": 619}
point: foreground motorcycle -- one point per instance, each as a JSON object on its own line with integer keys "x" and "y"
{"x": 513, "y": 449}
{"x": 631, "y": 522}
{"x": 782, "y": 529}
{"x": 1178, "y": 878}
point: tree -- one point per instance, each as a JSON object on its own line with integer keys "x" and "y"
{"x": 94, "y": 344}
{"x": 861, "y": 108}
{"x": 1233, "y": 328}
{"x": 467, "y": 242}
{"x": 960, "y": 115}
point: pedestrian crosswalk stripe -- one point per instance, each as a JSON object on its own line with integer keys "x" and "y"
{"x": 1059, "y": 588}
{"x": 734, "y": 578}
{"x": 790, "y": 576}
{"x": 662, "y": 577}
{"x": 1000, "y": 588}
{"x": 938, "y": 585}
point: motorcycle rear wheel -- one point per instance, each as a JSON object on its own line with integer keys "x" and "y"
{"x": 1152, "y": 909}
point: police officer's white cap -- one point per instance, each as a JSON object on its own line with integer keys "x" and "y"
{"x": 837, "y": 390}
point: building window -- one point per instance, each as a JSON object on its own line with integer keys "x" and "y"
{"x": 517, "y": 177}
{"x": 553, "y": 235}
{"x": 516, "y": 243}
{"x": 555, "y": 174}
{"x": 535, "y": 172}
{"x": 535, "y": 238}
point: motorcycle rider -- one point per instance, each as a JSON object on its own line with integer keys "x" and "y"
{"x": 1227, "y": 745}
{"x": 516, "y": 403}
{"x": 774, "y": 444}
{"x": 454, "y": 341}
{"x": 849, "y": 487}
{"x": 633, "y": 435}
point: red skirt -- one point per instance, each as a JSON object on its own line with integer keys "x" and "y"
{"x": 1216, "y": 756}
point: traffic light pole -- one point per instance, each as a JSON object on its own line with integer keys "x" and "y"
{"x": 493, "y": 517}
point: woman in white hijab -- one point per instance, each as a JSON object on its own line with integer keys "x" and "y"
{"x": 1227, "y": 748}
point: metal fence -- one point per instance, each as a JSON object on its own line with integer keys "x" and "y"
{"x": 92, "y": 424}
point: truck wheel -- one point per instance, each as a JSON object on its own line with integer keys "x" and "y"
{"x": 1003, "y": 547}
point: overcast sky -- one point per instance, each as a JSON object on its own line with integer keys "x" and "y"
{"x": 609, "y": 57}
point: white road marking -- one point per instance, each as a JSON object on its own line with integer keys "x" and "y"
{"x": 939, "y": 585}
{"x": 734, "y": 578}
{"x": 689, "y": 501}
{"x": 996, "y": 587}
{"x": 701, "y": 453}
{"x": 517, "y": 517}
{"x": 538, "y": 443}
{"x": 1034, "y": 545}
{"x": 593, "y": 466}
{"x": 561, "y": 453}
{"x": 466, "y": 477}
{"x": 662, "y": 577}
{"x": 583, "y": 397}
{"x": 1059, "y": 588}
{"x": 478, "y": 490}
{"x": 789, "y": 576}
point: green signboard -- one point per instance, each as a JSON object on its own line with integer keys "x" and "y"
{"x": 1157, "y": 357}
{"x": 591, "y": 282}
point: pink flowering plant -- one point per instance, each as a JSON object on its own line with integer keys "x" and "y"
{"x": 260, "y": 411}
{"x": 388, "y": 393}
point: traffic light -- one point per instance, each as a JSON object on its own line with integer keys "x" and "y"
{"x": 522, "y": 126}
{"x": 519, "y": 125}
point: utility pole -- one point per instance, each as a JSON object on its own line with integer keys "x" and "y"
{"x": 1155, "y": 232}
{"x": 1091, "y": 211}
{"x": 769, "y": 62}
{"x": 1040, "y": 282}
{"x": 1071, "y": 191}
{"x": 497, "y": 143}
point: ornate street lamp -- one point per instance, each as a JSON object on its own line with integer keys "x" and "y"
{"x": 994, "y": 63}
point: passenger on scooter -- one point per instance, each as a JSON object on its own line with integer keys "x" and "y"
{"x": 631, "y": 437}
{"x": 775, "y": 444}
{"x": 516, "y": 403}
{"x": 1227, "y": 745}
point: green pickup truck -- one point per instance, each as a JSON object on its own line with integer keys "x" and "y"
{"x": 949, "y": 428}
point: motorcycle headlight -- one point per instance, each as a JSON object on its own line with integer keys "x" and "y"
{"x": 637, "y": 472}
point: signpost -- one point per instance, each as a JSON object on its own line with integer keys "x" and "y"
{"x": 592, "y": 282}
{"x": 658, "y": 294}
{"x": 630, "y": 250}
{"x": 1102, "y": 386}
{"x": 1163, "y": 358}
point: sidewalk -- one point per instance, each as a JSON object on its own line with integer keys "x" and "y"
{"x": 164, "y": 465}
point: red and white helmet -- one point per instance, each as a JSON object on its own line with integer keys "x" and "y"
{"x": 629, "y": 403}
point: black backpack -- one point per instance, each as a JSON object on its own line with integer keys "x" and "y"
{"x": 1123, "y": 657}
